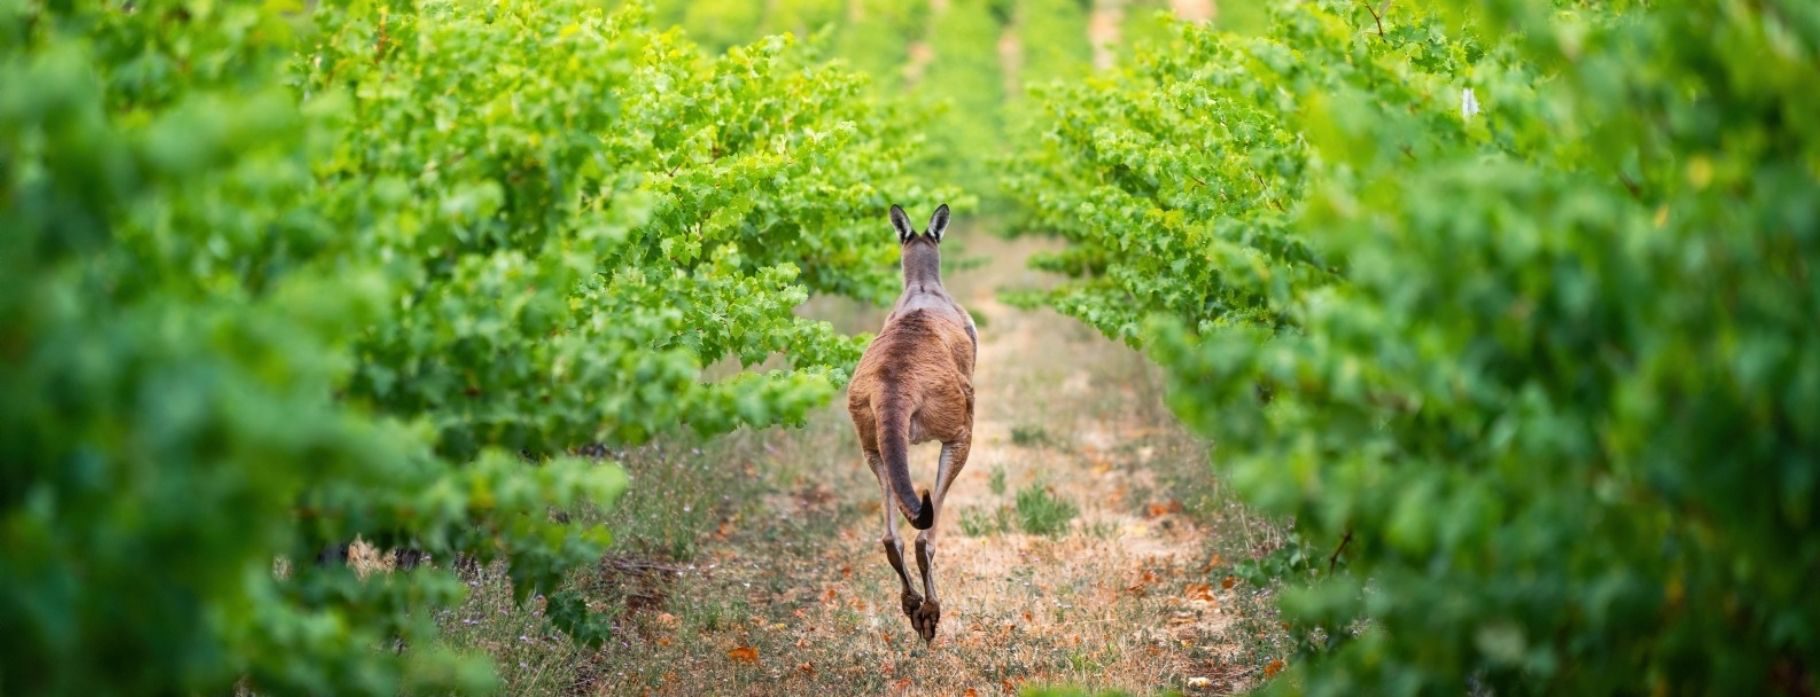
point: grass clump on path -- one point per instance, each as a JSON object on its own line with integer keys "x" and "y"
{"x": 1041, "y": 512}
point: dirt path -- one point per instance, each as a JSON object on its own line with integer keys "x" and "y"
{"x": 795, "y": 596}
{"x": 1011, "y": 62}
{"x": 1194, "y": 10}
{"x": 1103, "y": 29}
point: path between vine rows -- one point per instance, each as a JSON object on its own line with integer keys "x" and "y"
{"x": 797, "y": 598}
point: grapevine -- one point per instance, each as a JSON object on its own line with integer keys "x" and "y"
{"x": 275, "y": 279}
{"x": 1508, "y": 306}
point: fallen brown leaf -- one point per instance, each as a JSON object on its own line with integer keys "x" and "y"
{"x": 1144, "y": 579}
{"x": 806, "y": 668}
{"x": 1200, "y": 591}
{"x": 1163, "y": 508}
{"x": 743, "y": 654}
{"x": 1228, "y": 582}
{"x": 1272, "y": 668}
{"x": 1212, "y": 563}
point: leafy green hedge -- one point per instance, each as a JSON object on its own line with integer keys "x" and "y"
{"x": 271, "y": 279}
{"x": 1174, "y": 208}
{"x": 1541, "y": 376}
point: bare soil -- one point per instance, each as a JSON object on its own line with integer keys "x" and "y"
{"x": 1103, "y": 31}
{"x": 1194, "y": 10}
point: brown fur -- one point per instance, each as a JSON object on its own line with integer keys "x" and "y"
{"x": 915, "y": 384}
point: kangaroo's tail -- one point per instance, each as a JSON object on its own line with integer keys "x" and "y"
{"x": 894, "y": 446}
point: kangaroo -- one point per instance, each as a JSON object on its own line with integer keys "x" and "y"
{"x": 915, "y": 384}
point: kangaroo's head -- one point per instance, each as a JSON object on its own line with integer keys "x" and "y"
{"x": 922, "y": 252}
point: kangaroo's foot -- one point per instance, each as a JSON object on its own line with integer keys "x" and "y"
{"x": 930, "y": 614}
{"x": 894, "y": 552}
{"x": 911, "y": 600}
{"x": 926, "y": 618}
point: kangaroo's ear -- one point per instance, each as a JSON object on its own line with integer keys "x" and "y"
{"x": 901, "y": 221}
{"x": 938, "y": 223}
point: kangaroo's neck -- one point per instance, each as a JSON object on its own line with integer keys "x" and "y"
{"x": 922, "y": 268}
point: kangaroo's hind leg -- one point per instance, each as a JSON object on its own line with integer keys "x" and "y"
{"x": 894, "y": 545}
{"x": 954, "y": 458}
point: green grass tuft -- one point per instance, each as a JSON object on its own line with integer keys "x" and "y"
{"x": 1029, "y": 436}
{"x": 1041, "y": 512}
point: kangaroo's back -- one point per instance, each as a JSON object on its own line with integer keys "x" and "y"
{"x": 918, "y": 348}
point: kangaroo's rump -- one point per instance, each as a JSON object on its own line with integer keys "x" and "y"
{"x": 913, "y": 380}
